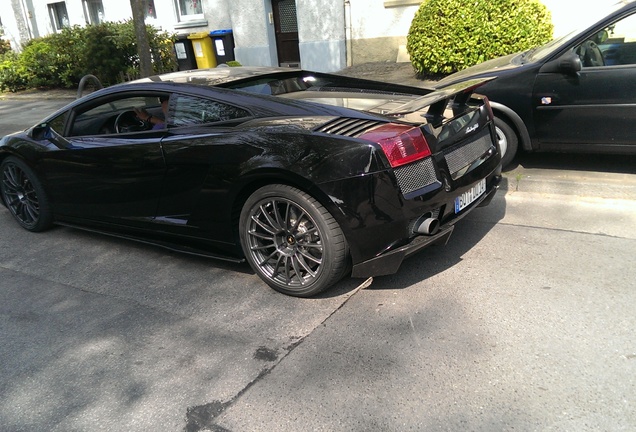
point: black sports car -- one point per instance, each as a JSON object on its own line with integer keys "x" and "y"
{"x": 307, "y": 176}
{"x": 574, "y": 94}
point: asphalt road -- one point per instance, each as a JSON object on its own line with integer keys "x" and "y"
{"x": 524, "y": 321}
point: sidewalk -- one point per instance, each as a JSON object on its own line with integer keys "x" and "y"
{"x": 398, "y": 73}
{"x": 37, "y": 94}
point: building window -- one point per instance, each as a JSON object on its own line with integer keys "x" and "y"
{"x": 94, "y": 11}
{"x": 58, "y": 15}
{"x": 190, "y": 9}
{"x": 149, "y": 9}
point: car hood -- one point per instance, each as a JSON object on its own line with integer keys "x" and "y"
{"x": 488, "y": 68}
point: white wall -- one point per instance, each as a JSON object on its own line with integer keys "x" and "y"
{"x": 253, "y": 34}
{"x": 371, "y": 19}
{"x": 321, "y": 32}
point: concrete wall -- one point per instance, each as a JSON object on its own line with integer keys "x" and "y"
{"x": 253, "y": 33}
{"x": 321, "y": 32}
{"x": 379, "y": 28}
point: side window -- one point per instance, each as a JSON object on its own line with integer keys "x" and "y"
{"x": 58, "y": 15}
{"x": 190, "y": 110}
{"x": 58, "y": 123}
{"x": 149, "y": 9}
{"x": 615, "y": 45}
{"x": 93, "y": 11}
{"x": 121, "y": 115}
{"x": 189, "y": 10}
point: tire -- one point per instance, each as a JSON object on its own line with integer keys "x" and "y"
{"x": 508, "y": 141}
{"x": 291, "y": 241}
{"x": 24, "y": 195}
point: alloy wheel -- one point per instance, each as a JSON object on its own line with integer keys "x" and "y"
{"x": 285, "y": 242}
{"x": 20, "y": 195}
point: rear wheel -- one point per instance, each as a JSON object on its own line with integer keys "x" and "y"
{"x": 24, "y": 195}
{"x": 291, "y": 241}
{"x": 508, "y": 141}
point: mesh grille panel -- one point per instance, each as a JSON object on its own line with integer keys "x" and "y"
{"x": 416, "y": 175}
{"x": 466, "y": 153}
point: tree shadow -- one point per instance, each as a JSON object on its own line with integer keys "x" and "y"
{"x": 468, "y": 232}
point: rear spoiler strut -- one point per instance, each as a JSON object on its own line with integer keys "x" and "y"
{"x": 438, "y": 100}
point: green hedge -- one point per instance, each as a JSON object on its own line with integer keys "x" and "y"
{"x": 107, "y": 50}
{"x": 450, "y": 35}
{"x": 12, "y": 73}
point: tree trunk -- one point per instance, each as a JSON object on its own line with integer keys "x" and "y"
{"x": 143, "y": 47}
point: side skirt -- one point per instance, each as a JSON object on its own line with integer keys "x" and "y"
{"x": 162, "y": 244}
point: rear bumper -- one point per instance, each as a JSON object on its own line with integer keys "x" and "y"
{"x": 390, "y": 261}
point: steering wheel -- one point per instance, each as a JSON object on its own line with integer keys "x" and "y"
{"x": 592, "y": 55}
{"x": 127, "y": 121}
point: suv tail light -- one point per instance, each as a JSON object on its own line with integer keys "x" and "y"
{"x": 401, "y": 144}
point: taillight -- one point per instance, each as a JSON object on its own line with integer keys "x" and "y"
{"x": 401, "y": 144}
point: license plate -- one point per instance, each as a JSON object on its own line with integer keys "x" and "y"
{"x": 468, "y": 197}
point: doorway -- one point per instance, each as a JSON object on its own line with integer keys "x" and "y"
{"x": 286, "y": 29}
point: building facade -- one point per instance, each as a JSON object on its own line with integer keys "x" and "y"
{"x": 322, "y": 35}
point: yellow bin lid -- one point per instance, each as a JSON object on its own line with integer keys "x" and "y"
{"x": 200, "y": 35}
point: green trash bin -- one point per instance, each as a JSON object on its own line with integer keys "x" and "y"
{"x": 203, "y": 52}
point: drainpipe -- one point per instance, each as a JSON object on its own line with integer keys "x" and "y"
{"x": 348, "y": 37}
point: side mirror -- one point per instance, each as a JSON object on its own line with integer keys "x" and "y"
{"x": 568, "y": 64}
{"x": 40, "y": 132}
{"x": 43, "y": 131}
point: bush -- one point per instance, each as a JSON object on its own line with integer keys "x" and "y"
{"x": 450, "y": 35}
{"x": 43, "y": 65}
{"x": 12, "y": 76}
{"x": 107, "y": 50}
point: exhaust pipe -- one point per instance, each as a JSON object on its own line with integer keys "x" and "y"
{"x": 428, "y": 226}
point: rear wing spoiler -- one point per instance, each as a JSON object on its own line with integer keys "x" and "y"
{"x": 437, "y": 101}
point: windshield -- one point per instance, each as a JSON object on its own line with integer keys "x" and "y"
{"x": 539, "y": 53}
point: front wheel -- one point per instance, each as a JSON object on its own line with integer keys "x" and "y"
{"x": 508, "y": 141}
{"x": 24, "y": 195}
{"x": 291, "y": 241}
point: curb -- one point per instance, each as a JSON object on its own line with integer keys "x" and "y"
{"x": 574, "y": 184}
{"x": 53, "y": 94}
